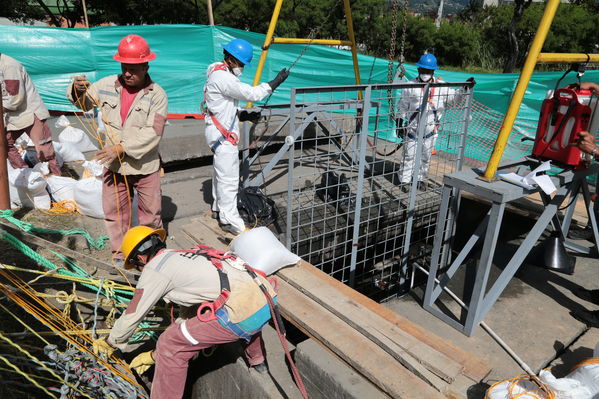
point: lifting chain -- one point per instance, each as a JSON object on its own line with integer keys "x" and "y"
{"x": 391, "y": 56}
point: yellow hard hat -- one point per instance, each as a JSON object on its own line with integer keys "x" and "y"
{"x": 134, "y": 237}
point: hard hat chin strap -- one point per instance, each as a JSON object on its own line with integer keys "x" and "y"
{"x": 149, "y": 247}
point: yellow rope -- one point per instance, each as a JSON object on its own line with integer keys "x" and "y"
{"x": 27, "y": 377}
{"x": 61, "y": 208}
{"x": 49, "y": 370}
{"x": 17, "y": 318}
{"x": 108, "y": 285}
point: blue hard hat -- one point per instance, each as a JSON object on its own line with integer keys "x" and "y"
{"x": 427, "y": 61}
{"x": 240, "y": 49}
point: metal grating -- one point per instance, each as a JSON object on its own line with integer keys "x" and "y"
{"x": 346, "y": 209}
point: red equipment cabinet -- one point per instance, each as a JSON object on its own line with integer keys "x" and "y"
{"x": 563, "y": 115}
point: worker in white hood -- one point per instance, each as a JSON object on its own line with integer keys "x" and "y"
{"x": 222, "y": 93}
{"x": 409, "y": 114}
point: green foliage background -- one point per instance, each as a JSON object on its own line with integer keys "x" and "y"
{"x": 475, "y": 39}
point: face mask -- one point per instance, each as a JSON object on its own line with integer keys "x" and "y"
{"x": 237, "y": 71}
{"x": 425, "y": 77}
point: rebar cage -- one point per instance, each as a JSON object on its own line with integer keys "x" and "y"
{"x": 347, "y": 209}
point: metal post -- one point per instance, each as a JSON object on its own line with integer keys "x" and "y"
{"x": 210, "y": 14}
{"x": 291, "y": 163}
{"x": 512, "y": 112}
{"x": 85, "y": 13}
{"x": 360, "y": 187}
{"x": 4, "y": 193}
{"x": 267, "y": 41}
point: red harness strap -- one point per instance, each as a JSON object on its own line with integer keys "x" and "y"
{"x": 229, "y": 136}
{"x": 207, "y": 310}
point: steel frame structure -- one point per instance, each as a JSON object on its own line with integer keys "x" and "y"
{"x": 499, "y": 193}
{"x": 382, "y": 220}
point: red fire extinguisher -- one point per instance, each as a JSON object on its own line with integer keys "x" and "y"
{"x": 563, "y": 116}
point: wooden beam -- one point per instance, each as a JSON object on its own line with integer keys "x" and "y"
{"x": 474, "y": 367}
{"x": 359, "y": 352}
{"x": 405, "y": 348}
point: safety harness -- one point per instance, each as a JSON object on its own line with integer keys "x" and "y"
{"x": 433, "y": 108}
{"x": 215, "y": 310}
{"x": 226, "y": 134}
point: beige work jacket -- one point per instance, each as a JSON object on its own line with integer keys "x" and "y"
{"x": 142, "y": 130}
{"x": 20, "y": 98}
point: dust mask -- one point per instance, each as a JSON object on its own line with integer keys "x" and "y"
{"x": 425, "y": 77}
{"x": 237, "y": 71}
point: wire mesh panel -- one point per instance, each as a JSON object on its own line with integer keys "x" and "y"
{"x": 364, "y": 170}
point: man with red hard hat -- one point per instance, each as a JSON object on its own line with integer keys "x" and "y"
{"x": 222, "y": 94}
{"x": 134, "y": 110}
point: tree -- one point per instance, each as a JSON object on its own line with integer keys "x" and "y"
{"x": 512, "y": 58}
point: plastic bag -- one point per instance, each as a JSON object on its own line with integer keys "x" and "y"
{"x": 27, "y": 187}
{"x": 75, "y": 136}
{"x": 261, "y": 250}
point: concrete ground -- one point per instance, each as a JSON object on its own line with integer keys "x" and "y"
{"x": 533, "y": 315}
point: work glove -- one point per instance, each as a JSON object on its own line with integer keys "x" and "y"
{"x": 280, "y": 78}
{"x": 101, "y": 347}
{"x": 471, "y": 79}
{"x": 142, "y": 362}
{"x": 249, "y": 116}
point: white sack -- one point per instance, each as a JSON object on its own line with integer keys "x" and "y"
{"x": 68, "y": 152}
{"x": 588, "y": 375}
{"x": 75, "y": 136}
{"x": 27, "y": 188}
{"x": 261, "y": 250}
{"x": 61, "y": 188}
{"x": 88, "y": 197}
{"x": 565, "y": 388}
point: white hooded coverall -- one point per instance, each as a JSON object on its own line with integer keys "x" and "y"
{"x": 222, "y": 93}
{"x": 408, "y": 110}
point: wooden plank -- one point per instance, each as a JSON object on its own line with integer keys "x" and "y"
{"x": 351, "y": 346}
{"x": 409, "y": 351}
{"x": 76, "y": 256}
{"x": 474, "y": 367}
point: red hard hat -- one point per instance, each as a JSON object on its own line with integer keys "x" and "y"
{"x": 134, "y": 49}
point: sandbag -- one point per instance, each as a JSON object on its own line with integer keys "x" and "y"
{"x": 27, "y": 187}
{"x": 88, "y": 197}
{"x": 520, "y": 387}
{"x": 61, "y": 188}
{"x": 587, "y": 373}
{"x": 68, "y": 152}
{"x": 88, "y": 190}
{"x": 75, "y": 136}
{"x": 565, "y": 388}
{"x": 260, "y": 249}
{"x": 27, "y": 150}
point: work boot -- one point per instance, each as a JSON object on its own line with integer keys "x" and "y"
{"x": 422, "y": 186}
{"x": 227, "y": 228}
{"x": 588, "y": 295}
{"x": 261, "y": 368}
{"x": 215, "y": 215}
{"x": 405, "y": 187}
{"x": 589, "y": 318}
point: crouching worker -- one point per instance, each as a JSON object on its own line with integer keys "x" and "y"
{"x": 232, "y": 307}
